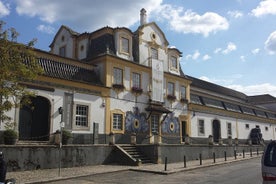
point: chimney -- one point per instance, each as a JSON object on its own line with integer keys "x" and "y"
{"x": 143, "y": 17}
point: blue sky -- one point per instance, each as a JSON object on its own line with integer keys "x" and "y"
{"x": 231, "y": 43}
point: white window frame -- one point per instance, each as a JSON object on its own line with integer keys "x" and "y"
{"x": 117, "y": 121}
{"x": 117, "y": 127}
{"x": 124, "y": 45}
{"x": 229, "y": 129}
{"x": 117, "y": 75}
{"x": 154, "y": 119}
{"x": 171, "y": 88}
{"x": 201, "y": 127}
{"x": 174, "y": 63}
{"x": 62, "y": 51}
{"x": 75, "y": 115}
{"x": 136, "y": 80}
{"x": 183, "y": 92}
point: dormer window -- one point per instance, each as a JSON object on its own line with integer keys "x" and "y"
{"x": 154, "y": 53}
{"x": 62, "y": 51}
{"x": 174, "y": 62}
{"x": 124, "y": 45}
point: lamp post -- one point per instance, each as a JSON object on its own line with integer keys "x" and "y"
{"x": 60, "y": 111}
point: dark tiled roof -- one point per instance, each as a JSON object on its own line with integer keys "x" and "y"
{"x": 68, "y": 72}
{"x": 100, "y": 45}
{"x": 259, "y": 99}
{"x": 216, "y": 88}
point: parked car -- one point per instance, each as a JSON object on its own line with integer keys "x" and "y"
{"x": 256, "y": 136}
{"x": 269, "y": 163}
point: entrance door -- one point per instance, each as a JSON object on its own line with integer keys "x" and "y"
{"x": 216, "y": 130}
{"x": 34, "y": 120}
{"x": 184, "y": 130}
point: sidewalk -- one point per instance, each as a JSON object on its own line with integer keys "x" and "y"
{"x": 44, "y": 175}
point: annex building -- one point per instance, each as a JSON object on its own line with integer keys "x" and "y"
{"x": 117, "y": 82}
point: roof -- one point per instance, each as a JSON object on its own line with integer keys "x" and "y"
{"x": 66, "y": 71}
{"x": 74, "y": 33}
{"x": 216, "y": 88}
{"x": 260, "y": 99}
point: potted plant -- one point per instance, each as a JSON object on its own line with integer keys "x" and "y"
{"x": 10, "y": 135}
{"x": 66, "y": 135}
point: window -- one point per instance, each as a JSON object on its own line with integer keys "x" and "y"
{"x": 154, "y": 53}
{"x": 154, "y": 123}
{"x": 170, "y": 88}
{"x": 247, "y": 126}
{"x": 136, "y": 80}
{"x": 124, "y": 45}
{"x": 81, "y": 115}
{"x": 117, "y": 76}
{"x": 117, "y": 121}
{"x": 182, "y": 92}
{"x": 174, "y": 62}
{"x": 62, "y": 51}
{"x": 201, "y": 128}
{"x": 229, "y": 129}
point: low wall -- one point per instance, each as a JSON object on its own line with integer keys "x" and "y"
{"x": 32, "y": 157}
{"x": 176, "y": 153}
{"x": 48, "y": 156}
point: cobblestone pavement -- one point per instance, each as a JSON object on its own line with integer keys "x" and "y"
{"x": 43, "y": 175}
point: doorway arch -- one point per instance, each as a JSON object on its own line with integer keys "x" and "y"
{"x": 34, "y": 120}
{"x": 216, "y": 130}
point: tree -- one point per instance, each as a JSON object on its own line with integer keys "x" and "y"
{"x": 18, "y": 64}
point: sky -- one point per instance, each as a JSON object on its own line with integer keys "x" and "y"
{"x": 231, "y": 43}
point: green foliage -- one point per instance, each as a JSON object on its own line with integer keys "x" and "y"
{"x": 18, "y": 66}
{"x": 66, "y": 135}
{"x": 10, "y": 134}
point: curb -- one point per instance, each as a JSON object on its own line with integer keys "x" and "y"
{"x": 191, "y": 168}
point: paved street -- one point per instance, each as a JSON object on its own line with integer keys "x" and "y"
{"x": 243, "y": 172}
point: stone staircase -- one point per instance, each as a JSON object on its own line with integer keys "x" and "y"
{"x": 136, "y": 154}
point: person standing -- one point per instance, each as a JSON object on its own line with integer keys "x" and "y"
{"x": 3, "y": 169}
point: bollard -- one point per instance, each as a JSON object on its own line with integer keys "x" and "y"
{"x": 235, "y": 154}
{"x": 250, "y": 152}
{"x": 200, "y": 159}
{"x": 225, "y": 158}
{"x": 185, "y": 161}
{"x": 166, "y": 162}
{"x": 214, "y": 157}
{"x": 257, "y": 151}
{"x": 243, "y": 154}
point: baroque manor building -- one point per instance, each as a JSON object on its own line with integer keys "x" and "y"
{"x": 117, "y": 82}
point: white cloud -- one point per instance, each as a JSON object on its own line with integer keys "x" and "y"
{"x": 217, "y": 50}
{"x": 85, "y": 14}
{"x": 191, "y": 22}
{"x": 230, "y": 47}
{"x": 235, "y": 14}
{"x": 257, "y": 89}
{"x": 46, "y": 29}
{"x": 4, "y": 9}
{"x": 242, "y": 58}
{"x": 193, "y": 56}
{"x": 270, "y": 43}
{"x": 255, "y": 51}
{"x": 265, "y": 7}
{"x": 206, "y": 57}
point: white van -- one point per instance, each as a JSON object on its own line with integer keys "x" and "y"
{"x": 269, "y": 163}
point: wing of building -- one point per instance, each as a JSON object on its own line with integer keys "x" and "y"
{"x": 117, "y": 82}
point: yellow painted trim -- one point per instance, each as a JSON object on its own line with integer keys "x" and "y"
{"x": 98, "y": 89}
{"x": 108, "y": 123}
{"x": 117, "y": 111}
